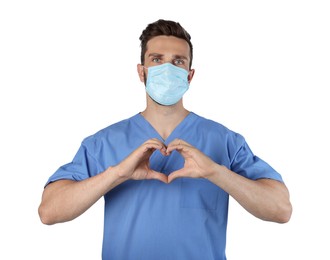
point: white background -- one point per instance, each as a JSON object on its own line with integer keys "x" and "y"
{"x": 68, "y": 69}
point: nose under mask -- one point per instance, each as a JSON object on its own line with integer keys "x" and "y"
{"x": 166, "y": 83}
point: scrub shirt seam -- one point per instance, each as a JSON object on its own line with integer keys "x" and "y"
{"x": 98, "y": 165}
{"x": 235, "y": 155}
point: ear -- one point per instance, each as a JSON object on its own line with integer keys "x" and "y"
{"x": 191, "y": 75}
{"x": 140, "y": 71}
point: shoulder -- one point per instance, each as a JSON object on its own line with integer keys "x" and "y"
{"x": 113, "y": 131}
{"x": 215, "y": 128}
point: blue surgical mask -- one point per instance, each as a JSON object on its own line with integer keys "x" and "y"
{"x": 166, "y": 83}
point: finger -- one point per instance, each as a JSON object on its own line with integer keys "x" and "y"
{"x": 181, "y": 148}
{"x": 155, "y": 144}
{"x": 157, "y": 176}
{"x": 176, "y": 144}
{"x": 178, "y": 141}
{"x": 175, "y": 175}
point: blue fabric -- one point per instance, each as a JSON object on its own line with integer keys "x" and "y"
{"x": 148, "y": 219}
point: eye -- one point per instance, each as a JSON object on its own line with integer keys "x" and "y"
{"x": 156, "y": 60}
{"x": 178, "y": 62}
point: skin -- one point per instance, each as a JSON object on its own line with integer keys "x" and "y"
{"x": 65, "y": 200}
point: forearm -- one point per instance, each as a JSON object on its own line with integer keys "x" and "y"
{"x": 65, "y": 200}
{"x": 264, "y": 198}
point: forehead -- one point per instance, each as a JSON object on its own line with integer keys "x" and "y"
{"x": 168, "y": 45}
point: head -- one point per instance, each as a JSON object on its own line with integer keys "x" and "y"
{"x": 165, "y": 43}
{"x": 164, "y": 28}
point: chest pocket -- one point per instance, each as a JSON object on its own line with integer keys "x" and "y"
{"x": 199, "y": 194}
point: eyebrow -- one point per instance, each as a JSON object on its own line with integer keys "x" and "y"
{"x": 180, "y": 57}
{"x": 155, "y": 55}
{"x": 174, "y": 56}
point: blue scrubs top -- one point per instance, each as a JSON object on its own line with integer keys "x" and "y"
{"x": 148, "y": 219}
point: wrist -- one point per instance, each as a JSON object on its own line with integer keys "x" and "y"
{"x": 215, "y": 171}
{"x": 115, "y": 172}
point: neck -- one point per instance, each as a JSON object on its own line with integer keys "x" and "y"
{"x": 164, "y": 118}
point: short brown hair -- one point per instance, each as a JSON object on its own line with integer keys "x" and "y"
{"x": 164, "y": 27}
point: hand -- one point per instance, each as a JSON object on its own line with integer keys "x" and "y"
{"x": 196, "y": 165}
{"x": 136, "y": 165}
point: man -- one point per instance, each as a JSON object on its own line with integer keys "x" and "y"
{"x": 166, "y": 173}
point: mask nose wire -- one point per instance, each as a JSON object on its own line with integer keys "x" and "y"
{"x": 156, "y": 65}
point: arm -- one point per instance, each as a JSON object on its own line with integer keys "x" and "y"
{"x": 264, "y": 198}
{"x": 65, "y": 200}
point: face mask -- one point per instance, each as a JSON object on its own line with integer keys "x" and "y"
{"x": 166, "y": 83}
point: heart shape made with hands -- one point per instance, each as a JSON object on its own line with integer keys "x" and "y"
{"x": 152, "y": 174}
{"x": 137, "y": 164}
{"x": 195, "y": 162}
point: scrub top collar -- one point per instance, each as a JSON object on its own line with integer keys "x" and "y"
{"x": 176, "y": 133}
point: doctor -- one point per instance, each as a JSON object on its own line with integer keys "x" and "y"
{"x": 166, "y": 173}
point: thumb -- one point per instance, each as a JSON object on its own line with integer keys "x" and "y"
{"x": 158, "y": 176}
{"x": 174, "y": 175}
